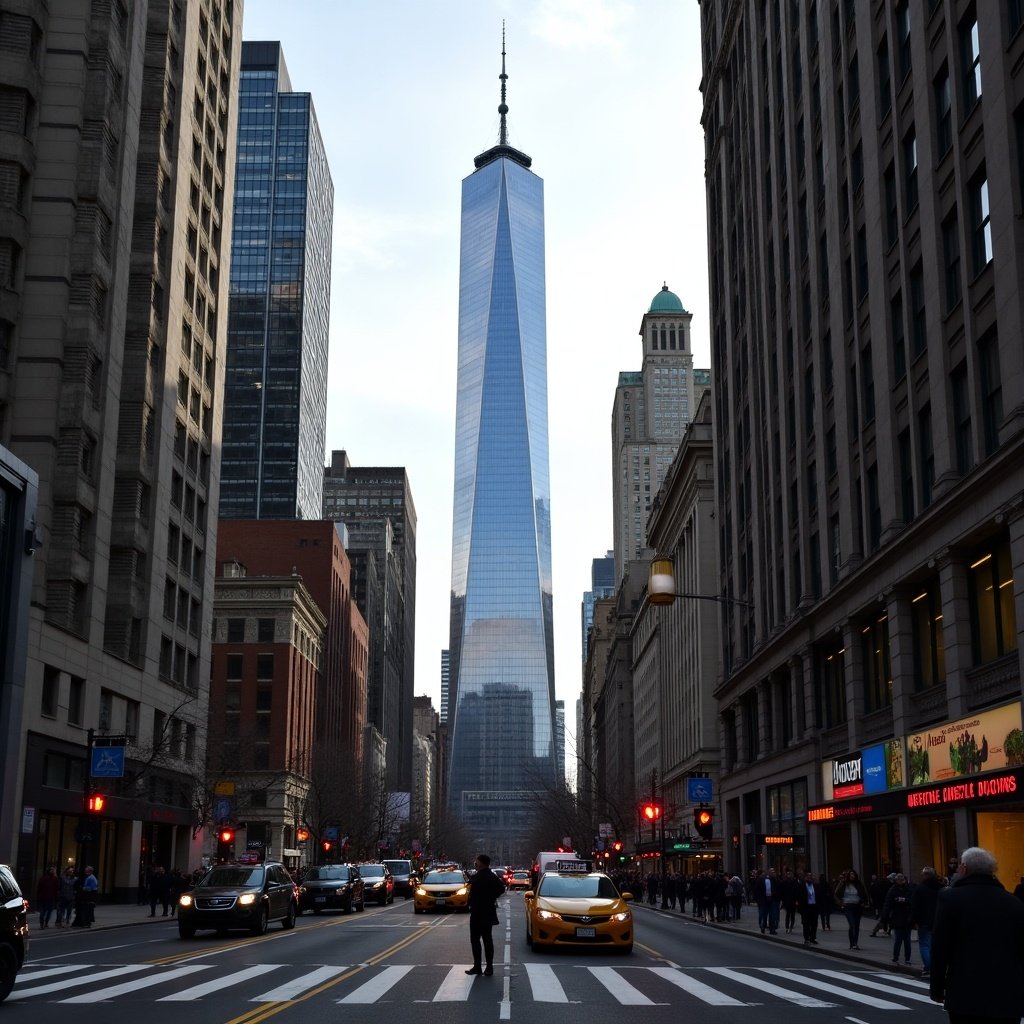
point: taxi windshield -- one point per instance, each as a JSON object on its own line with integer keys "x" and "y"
{"x": 444, "y": 877}
{"x": 582, "y": 887}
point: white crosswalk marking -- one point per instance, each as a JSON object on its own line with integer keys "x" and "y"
{"x": 86, "y": 979}
{"x": 769, "y": 989}
{"x": 544, "y": 985}
{"x": 696, "y": 988}
{"x": 28, "y": 976}
{"x": 456, "y": 985}
{"x": 294, "y": 988}
{"x": 824, "y": 986}
{"x": 619, "y": 987}
{"x": 157, "y": 978}
{"x": 855, "y": 979}
{"x": 198, "y": 991}
{"x": 372, "y": 990}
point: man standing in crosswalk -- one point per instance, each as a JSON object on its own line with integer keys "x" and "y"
{"x": 484, "y": 889}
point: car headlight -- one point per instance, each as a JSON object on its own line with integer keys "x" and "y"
{"x": 420, "y": 891}
{"x": 302, "y": 890}
{"x": 624, "y": 916}
{"x": 549, "y": 915}
{"x": 247, "y": 899}
{"x": 185, "y": 900}
{"x": 376, "y": 885}
{"x": 462, "y": 891}
{"x": 341, "y": 891}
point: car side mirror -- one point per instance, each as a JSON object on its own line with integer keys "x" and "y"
{"x": 626, "y": 896}
{"x": 529, "y": 894}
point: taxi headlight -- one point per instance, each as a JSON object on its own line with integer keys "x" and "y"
{"x": 624, "y": 916}
{"x": 185, "y": 900}
{"x": 420, "y": 891}
{"x": 462, "y": 891}
{"x": 246, "y": 899}
{"x": 549, "y": 915}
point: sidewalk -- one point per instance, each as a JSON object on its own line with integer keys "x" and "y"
{"x": 108, "y": 915}
{"x": 874, "y": 952}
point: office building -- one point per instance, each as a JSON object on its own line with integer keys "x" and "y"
{"x": 375, "y": 504}
{"x": 275, "y": 385}
{"x": 119, "y": 126}
{"x": 602, "y": 584}
{"x": 865, "y": 191}
{"x": 501, "y": 654}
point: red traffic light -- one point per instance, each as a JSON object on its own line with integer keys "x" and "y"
{"x": 704, "y": 822}
{"x": 96, "y": 803}
{"x": 327, "y": 845}
{"x": 617, "y": 846}
{"x": 650, "y": 812}
{"x": 301, "y": 835}
{"x": 226, "y": 835}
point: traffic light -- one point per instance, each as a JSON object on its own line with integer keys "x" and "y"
{"x": 95, "y": 803}
{"x": 225, "y": 844}
{"x": 301, "y": 835}
{"x": 327, "y": 845}
{"x": 704, "y": 822}
{"x": 650, "y": 812}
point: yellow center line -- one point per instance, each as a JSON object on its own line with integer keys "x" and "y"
{"x": 261, "y": 1013}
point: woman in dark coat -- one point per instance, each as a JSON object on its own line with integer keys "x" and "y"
{"x": 978, "y": 945}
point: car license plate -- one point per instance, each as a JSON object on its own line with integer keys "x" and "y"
{"x": 321, "y": 899}
{"x": 439, "y": 901}
{"x": 586, "y": 933}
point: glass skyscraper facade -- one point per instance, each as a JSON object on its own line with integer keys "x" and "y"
{"x": 275, "y": 395}
{"x": 501, "y": 654}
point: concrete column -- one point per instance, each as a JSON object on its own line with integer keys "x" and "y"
{"x": 956, "y": 629}
{"x": 901, "y": 657}
{"x": 1015, "y": 525}
{"x": 853, "y": 673}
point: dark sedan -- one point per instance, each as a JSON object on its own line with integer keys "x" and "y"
{"x": 332, "y": 887}
{"x": 379, "y": 882}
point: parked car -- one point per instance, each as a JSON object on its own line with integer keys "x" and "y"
{"x": 405, "y": 879}
{"x": 578, "y": 909}
{"x": 332, "y": 886}
{"x": 447, "y": 889}
{"x": 13, "y": 930}
{"x": 239, "y": 896}
{"x": 379, "y": 883}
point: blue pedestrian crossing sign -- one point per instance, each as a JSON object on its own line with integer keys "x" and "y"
{"x": 107, "y": 763}
{"x": 700, "y": 791}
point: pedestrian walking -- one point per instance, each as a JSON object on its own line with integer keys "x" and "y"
{"x": 768, "y": 895}
{"x": 922, "y": 913}
{"x": 790, "y": 892}
{"x": 85, "y": 899}
{"x": 47, "y": 894}
{"x": 809, "y": 895}
{"x": 978, "y": 946}
{"x": 66, "y": 897}
{"x": 852, "y": 897}
{"x": 897, "y": 916}
{"x": 484, "y": 889}
{"x": 159, "y": 890}
{"x": 878, "y": 889}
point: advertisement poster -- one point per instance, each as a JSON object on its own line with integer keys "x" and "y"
{"x": 875, "y": 769}
{"x": 984, "y": 742}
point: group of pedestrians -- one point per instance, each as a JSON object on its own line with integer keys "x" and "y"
{"x": 164, "y": 887}
{"x": 68, "y": 898}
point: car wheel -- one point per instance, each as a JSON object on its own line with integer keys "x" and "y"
{"x": 186, "y": 931}
{"x": 289, "y": 921}
{"x": 260, "y": 922}
{"x": 346, "y": 908}
{"x": 416, "y": 910}
{"x": 391, "y": 898}
{"x": 8, "y": 971}
{"x": 529, "y": 939}
{"x": 626, "y": 950}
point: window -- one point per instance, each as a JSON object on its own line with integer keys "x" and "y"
{"x": 993, "y": 618}
{"x": 76, "y": 700}
{"x": 951, "y": 260}
{"x": 236, "y": 631}
{"x": 961, "y": 417}
{"x": 910, "y": 172}
{"x": 929, "y": 650}
{"x": 264, "y": 667}
{"x": 877, "y": 664}
{"x": 906, "y": 470}
{"x": 991, "y": 392}
{"x": 832, "y": 685}
{"x": 884, "y": 80}
{"x": 918, "y": 332}
{"x": 862, "y": 264}
{"x": 233, "y": 667}
{"x": 926, "y": 454}
{"x": 981, "y": 223}
{"x": 265, "y": 631}
{"x": 51, "y": 692}
{"x": 867, "y": 383}
{"x": 943, "y": 114}
{"x": 892, "y": 216}
{"x": 970, "y": 56}
{"x": 903, "y": 34}
{"x": 899, "y": 340}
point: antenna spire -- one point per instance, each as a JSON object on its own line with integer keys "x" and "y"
{"x": 503, "y": 106}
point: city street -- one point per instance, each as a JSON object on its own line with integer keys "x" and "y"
{"x": 388, "y": 961}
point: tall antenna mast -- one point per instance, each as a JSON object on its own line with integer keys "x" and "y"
{"x": 503, "y": 106}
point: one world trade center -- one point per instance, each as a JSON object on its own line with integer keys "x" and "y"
{"x": 502, "y": 660}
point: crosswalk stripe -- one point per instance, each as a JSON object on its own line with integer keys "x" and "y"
{"x": 28, "y": 976}
{"x": 372, "y": 990}
{"x": 625, "y": 993}
{"x": 903, "y": 980}
{"x": 696, "y": 988}
{"x": 133, "y": 986}
{"x": 198, "y": 991}
{"x": 86, "y": 979}
{"x": 824, "y": 986}
{"x": 456, "y": 985}
{"x": 769, "y": 989}
{"x": 296, "y": 987}
{"x": 545, "y": 986}
{"x": 891, "y": 990}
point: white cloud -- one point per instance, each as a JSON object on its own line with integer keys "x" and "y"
{"x": 581, "y": 24}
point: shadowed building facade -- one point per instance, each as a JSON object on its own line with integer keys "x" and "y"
{"x": 501, "y": 656}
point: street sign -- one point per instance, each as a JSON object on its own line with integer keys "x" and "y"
{"x": 700, "y": 791}
{"x": 107, "y": 763}
{"x": 605, "y": 830}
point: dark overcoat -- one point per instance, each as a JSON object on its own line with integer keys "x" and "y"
{"x": 484, "y": 889}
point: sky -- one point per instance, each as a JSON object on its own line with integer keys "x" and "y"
{"x": 604, "y": 95}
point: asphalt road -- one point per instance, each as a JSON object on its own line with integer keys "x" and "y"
{"x": 388, "y": 964}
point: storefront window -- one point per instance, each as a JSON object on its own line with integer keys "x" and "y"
{"x": 993, "y": 619}
{"x": 1002, "y": 832}
{"x": 877, "y": 667}
{"x": 831, "y": 685}
{"x": 929, "y": 652}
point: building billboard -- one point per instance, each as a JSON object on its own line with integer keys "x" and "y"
{"x": 875, "y": 769}
{"x": 982, "y": 742}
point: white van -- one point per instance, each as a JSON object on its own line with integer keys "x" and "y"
{"x": 562, "y": 861}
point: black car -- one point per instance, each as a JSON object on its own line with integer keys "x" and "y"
{"x": 332, "y": 886}
{"x": 13, "y": 930}
{"x": 379, "y": 883}
{"x": 405, "y": 880}
{"x": 239, "y": 896}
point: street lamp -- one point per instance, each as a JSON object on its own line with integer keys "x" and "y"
{"x": 661, "y": 586}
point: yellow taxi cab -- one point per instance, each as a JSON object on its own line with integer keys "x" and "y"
{"x": 578, "y": 910}
{"x": 442, "y": 889}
